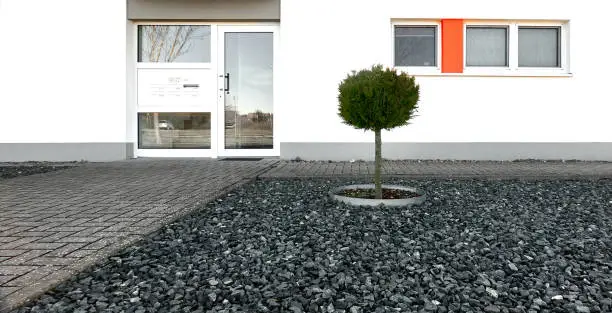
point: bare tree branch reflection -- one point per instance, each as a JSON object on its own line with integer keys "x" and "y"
{"x": 165, "y": 43}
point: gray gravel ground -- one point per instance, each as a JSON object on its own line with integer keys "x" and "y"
{"x": 283, "y": 246}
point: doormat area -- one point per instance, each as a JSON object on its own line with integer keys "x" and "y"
{"x": 241, "y": 159}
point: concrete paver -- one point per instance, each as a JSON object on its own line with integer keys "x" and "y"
{"x": 58, "y": 223}
{"x": 529, "y": 169}
{"x": 55, "y": 224}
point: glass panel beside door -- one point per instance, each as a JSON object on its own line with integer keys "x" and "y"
{"x": 248, "y": 113}
{"x": 205, "y": 90}
{"x": 178, "y": 130}
{"x": 176, "y": 90}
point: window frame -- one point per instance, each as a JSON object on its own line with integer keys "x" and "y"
{"x": 513, "y": 68}
{"x": 485, "y": 24}
{"x": 417, "y": 70}
{"x": 560, "y": 45}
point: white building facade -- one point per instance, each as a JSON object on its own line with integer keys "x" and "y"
{"x": 104, "y": 80}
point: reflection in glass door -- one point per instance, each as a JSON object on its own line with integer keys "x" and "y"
{"x": 176, "y": 90}
{"x": 247, "y": 89}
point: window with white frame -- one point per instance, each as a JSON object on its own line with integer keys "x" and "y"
{"x": 539, "y": 46}
{"x": 174, "y": 79}
{"x": 517, "y": 46}
{"x": 486, "y": 46}
{"x": 416, "y": 45}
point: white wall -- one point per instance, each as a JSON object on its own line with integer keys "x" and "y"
{"x": 62, "y": 71}
{"x": 322, "y": 40}
{"x": 63, "y": 74}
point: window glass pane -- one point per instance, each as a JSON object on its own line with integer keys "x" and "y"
{"x": 486, "y": 46}
{"x": 249, "y": 111}
{"x": 415, "y": 46}
{"x": 174, "y": 130}
{"x": 173, "y": 43}
{"x": 539, "y": 46}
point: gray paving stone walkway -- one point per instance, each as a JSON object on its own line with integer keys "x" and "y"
{"x": 58, "y": 223}
{"x": 528, "y": 169}
{"x": 55, "y": 224}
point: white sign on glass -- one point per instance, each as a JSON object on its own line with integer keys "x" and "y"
{"x": 176, "y": 87}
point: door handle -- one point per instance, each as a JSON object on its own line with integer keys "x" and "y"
{"x": 227, "y": 83}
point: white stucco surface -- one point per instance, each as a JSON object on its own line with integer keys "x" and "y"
{"x": 324, "y": 40}
{"x": 67, "y": 74}
{"x": 62, "y": 71}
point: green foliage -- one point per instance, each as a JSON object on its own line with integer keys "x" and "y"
{"x": 377, "y": 98}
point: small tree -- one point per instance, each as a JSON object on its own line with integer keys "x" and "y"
{"x": 376, "y": 99}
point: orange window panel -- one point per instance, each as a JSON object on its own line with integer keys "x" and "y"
{"x": 452, "y": 46}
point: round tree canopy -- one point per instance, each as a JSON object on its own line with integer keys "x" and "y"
{"x": 377, "y": 98}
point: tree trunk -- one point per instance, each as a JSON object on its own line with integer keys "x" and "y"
{"x": 377, "y": 164}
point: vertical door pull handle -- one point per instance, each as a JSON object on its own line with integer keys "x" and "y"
{"x": 227, "y": 83}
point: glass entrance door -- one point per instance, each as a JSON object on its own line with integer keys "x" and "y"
{"x": 246, "y": 102}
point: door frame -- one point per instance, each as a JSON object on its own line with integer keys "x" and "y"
{"x": 220, "y": 131}
{"x": 217, "y": 129}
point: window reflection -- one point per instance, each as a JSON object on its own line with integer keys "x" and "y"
{"x": 173, "y": 43}
{"x": 415, "y": 46}
{"x": 174, "y": 130}
{"x": 249, "y": 98}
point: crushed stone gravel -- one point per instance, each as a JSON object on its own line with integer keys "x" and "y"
{"x": 285, "y": 246}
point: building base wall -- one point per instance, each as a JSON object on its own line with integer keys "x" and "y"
{"x": 491, "y": 151}
{"x": 66, "y": 152}
{"x": 334, "y": 151}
